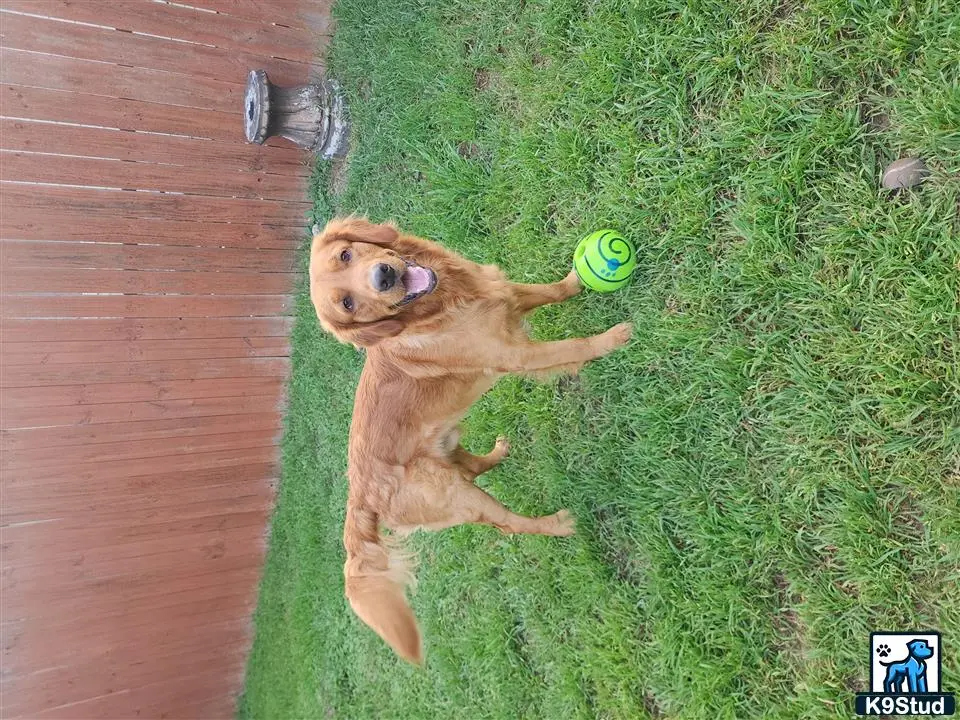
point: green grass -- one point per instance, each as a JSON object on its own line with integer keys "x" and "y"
{"x": 770, "y": 470}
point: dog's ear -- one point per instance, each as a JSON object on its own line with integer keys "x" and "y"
{"x": 357, "y": 229}
{"x": 369, "y": 334}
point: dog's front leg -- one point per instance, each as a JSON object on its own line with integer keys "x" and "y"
{"x": 533, "y": 357}
{"x": 479, "y": 464}
{"x": 530, "y": 297}
{"x": 915, "y": 677}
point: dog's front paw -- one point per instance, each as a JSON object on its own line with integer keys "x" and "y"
{"x": 572, "y": 282}
{"x": 617, "y": 336}
{"x": 565, "y": 525}
{"x": 502, "y": 448}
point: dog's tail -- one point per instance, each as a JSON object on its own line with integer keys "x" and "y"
{"x": 377, "y": 574}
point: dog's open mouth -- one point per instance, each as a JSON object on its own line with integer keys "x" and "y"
{"x": 417, "y": 281}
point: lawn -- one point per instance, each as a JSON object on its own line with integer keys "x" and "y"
{"x": 768, "y": 472}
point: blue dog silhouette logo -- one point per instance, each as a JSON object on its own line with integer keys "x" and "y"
{"x": 909, "y": 674}
{"x": 905, "y": 676}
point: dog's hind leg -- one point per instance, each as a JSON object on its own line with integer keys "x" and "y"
{"x": 479, "y": 464}
{"x": 530, "y": 297}
{"x": 470, "y": 504}
{"x": 437, "y": 496}
{"x": 894, "y": 679}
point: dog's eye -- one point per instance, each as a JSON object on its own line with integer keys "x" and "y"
{"x": 348, "y": 301}
{"x": 346, "y": 255}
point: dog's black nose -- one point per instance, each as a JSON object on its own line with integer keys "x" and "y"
{"x": 384, "y": 277}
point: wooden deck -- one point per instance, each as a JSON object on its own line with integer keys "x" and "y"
{"x": 146, "y": 267}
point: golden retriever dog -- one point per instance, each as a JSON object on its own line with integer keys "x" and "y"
{"x": 439, "y": 331}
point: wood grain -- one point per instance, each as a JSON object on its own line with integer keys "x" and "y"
{"x": 147, "y": 258}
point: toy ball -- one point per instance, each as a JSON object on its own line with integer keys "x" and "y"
{"x": 604, "y": 260}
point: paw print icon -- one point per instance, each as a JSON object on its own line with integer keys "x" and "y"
{"x": 883, "y": 650}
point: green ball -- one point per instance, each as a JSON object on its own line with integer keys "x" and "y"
{"x": 605, "y": 260}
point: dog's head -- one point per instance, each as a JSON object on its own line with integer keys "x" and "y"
{"x": 920, "y": 649}
{"x": 360, "y": 284}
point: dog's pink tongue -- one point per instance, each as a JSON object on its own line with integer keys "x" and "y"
{"x": 416, "y": 279}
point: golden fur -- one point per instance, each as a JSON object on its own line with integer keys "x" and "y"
{"x": 427, "y": 362}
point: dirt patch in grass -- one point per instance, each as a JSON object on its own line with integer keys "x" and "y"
{"x": 339, "y": 175}
{"x": 468, "y": 150}
{"x": 618, "y": 551}
{"x": 651, "y": 705}
{"x": 786, "y": 621}
{"x": 481, "y": 79}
